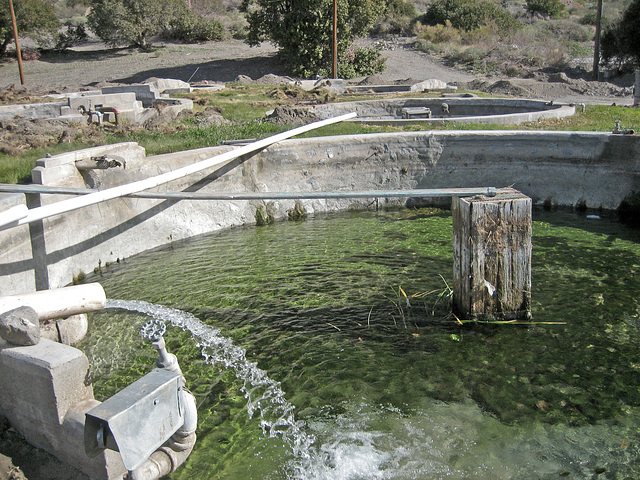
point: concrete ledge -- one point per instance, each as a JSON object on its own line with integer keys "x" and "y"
{"x": 501, "y": 111}
{"x": 597, "y": 170}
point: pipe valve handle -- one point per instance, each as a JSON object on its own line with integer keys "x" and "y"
{"x": 153, "y": 330}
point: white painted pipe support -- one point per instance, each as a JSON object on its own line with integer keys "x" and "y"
{"x": 69, "y": 205}
{"x": 59, "y": 302}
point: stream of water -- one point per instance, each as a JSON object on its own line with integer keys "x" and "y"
{"x": 325, "y": 349}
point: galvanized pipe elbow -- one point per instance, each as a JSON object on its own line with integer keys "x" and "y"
{"x": 177, "y": 449}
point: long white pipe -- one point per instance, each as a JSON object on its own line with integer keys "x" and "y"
{"x": 65, "y": 206}
{"x": 13, "y": 214}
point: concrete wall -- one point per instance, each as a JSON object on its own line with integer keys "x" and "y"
{"x": 45, "y": 394}
{"x": 499, "y": 111}
{"x": 566, "y": 168}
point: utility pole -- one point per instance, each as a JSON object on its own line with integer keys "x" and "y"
{"x": 15, "y": 37}
{"x": 335, "y": 39}
{"x": 596, "y": 47}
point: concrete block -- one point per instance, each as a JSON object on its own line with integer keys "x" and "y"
{"x": 45, "y": 393}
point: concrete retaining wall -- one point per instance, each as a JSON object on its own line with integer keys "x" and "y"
{"x": 498, "y": 111}
{"x": 565, "y": 168}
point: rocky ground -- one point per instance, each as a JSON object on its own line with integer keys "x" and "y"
{"x": 92, "y": 66}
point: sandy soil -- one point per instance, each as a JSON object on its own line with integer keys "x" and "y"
{"x": 92, "y": 66}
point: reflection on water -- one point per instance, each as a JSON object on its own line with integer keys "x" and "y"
{"x": 349, "y": 313}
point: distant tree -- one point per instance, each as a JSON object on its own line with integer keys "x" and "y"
{"x": 302, "y": 30}
{"x": 35, "y": 19}
{"x": 135, "y": 22}
{"x": 620, "y": 43}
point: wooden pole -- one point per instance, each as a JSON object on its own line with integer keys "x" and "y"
{"x": 335, "y": 40}
{"x": 15, "y": 37}
{"x": 596, "y": 46}
{"x": 492, "y": 256}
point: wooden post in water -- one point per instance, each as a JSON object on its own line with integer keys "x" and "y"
{"x": 492, "y": 256}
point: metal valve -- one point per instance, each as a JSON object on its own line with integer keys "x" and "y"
{"x": 153, "y": 330}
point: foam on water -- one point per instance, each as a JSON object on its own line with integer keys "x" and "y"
{"x": 264, "y": 396}
{"x": 438, "y": 440}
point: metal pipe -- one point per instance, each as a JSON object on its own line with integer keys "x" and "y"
{"x": 60, "y": 302}
{"x": 422, "y": 193}
{"x": 69, "y": 205}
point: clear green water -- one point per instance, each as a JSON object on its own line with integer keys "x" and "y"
{"x": 390, "y": 388}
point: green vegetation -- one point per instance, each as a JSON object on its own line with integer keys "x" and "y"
{"x": 36, "y": 19}
{"x": 303, "y": 33}
{"x": 134, "y": 23}
{"x": 468, "y": 15}
{"x": 245, "y": 107}
{"x": 621, "y": 42}
{"x": 546, "y": 8}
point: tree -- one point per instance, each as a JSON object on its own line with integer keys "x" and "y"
{"x": 135, "y": 22}
{"x": 302, "y": 30}
{"x": 35, "y": 19}
{"x": 621, "y": 41}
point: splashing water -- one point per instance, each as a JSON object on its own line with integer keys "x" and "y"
{"x": 263, "y": 395}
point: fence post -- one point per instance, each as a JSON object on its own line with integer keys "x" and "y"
{"x": 492, "y": 256}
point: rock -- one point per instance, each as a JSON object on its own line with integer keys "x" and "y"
{"x": 559, "y": 78}
{"x": 430, "y": 84}
{"x": 20, "y": 326}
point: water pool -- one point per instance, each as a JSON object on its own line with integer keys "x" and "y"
{"x": 349, "y": 313}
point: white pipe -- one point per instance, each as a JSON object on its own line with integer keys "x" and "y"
{"x": 13, "y": 214}
{"x": 64, "y": 206}
{"x": 60, "y": 302}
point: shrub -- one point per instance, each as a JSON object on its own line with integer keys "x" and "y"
{"x": 191, "y": 28}
{"x": 398, "y": 18}
{"x": 621, "y": 41}
{"x": 72, "y": 35}
{"x": 546, "y": 8}
{"x": 135, "y": 22}
{"x": 469, "y": 15}
{"x": 359, "y": 62}
{"x": 438, "y": 33}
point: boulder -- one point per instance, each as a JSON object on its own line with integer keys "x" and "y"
{"x": 20, "y": 326}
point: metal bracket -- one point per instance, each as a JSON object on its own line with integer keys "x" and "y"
{"x": 137, "y": 420}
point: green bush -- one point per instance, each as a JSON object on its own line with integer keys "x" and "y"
{"x": 469, "y": 15}
{"x": 621, "y": 42}
{"x": 191, "y": 28}
{"x": 360, "y": 62}
{"x": 397, "y": 20}
{"x": 36, "y": 19}
{"x": 71, "y": 36}
{"x": 546, "y": 8}
{"x": 438, "y": 33}
{"x": 135, "y": 22}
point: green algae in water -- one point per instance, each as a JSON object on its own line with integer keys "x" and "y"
{"x": 316, "y": 305}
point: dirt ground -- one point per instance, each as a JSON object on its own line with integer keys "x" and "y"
{"x": 92, "y": 66}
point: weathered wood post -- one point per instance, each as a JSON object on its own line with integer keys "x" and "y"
{"x": 492, "y": 256}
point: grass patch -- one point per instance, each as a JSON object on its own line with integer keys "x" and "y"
{"x": 245, "y": 106}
